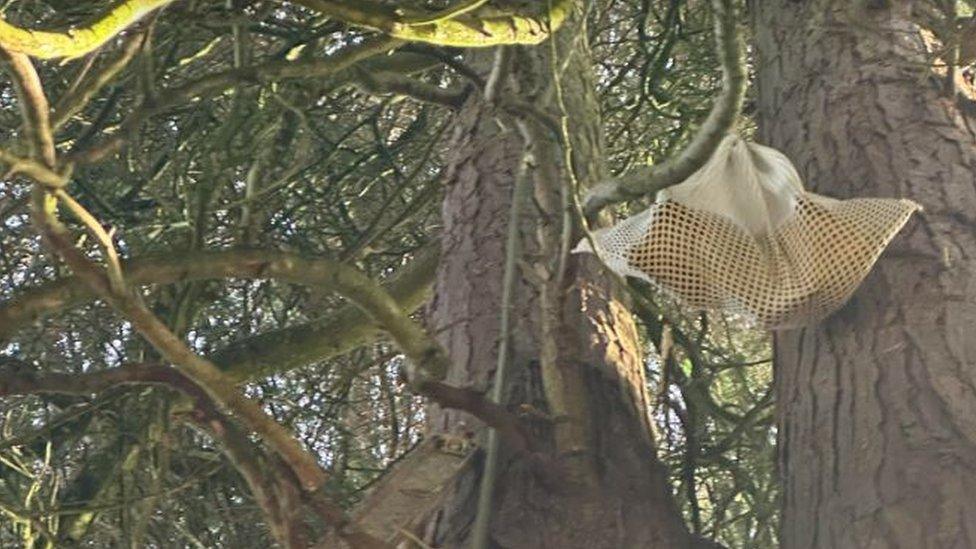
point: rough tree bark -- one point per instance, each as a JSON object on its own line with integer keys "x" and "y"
{"x": 877, "y": 405}
{"x": 575, "y": 354}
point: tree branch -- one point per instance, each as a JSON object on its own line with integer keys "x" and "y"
{"x": 453, "y": 27}
{"x": 219, "y": 388}
{"x": 651, "y": 179}
{"x": 393, "y": 83}
{"x": 32, "y": 169}
{"x": 215, "y": 84}
{"x": 268, "y": 352}
{"x": 79, "y": 41}
{"x": 34, "y": 108}
{"x": 19, "y": 379}
{"x": 262, "y": 354}
{"x": 456, "y": 27}
{"x": 509, "y": 426}
{"x": 292, "y": 347}
{"x": 274, "y": 487}
{"x": 349, "y": 327}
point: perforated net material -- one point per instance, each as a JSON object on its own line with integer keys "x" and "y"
{"x": 743, "y": 236}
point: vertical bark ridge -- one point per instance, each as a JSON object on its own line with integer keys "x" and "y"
{"x": 877, "y": 405}
{"x": 596, "y": 369}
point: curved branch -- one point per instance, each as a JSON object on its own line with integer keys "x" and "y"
{"x": 459, "y": 29}
{"x": 18, "y": 379}
{"x": 251, "y": 357}
{"x": 346, "y": 329}
{"x": 271, "y": 484}
{"x": 449, "y": 13}
{"x": 381, "y": 83}
{"x": 425, "y": 353}
{"x": 76, "y": 99}
{"x": 721, "y": 119}
{"x": 270, "y": 352}
{"x": 79, "y": 41}
{"x": 321, "y": 273}
{"x": 30, "y": 168}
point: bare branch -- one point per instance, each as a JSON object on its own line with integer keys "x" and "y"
{"x": 215, "y": 84}
{"x": 32, "y": 169}
{"x": 77, "y": 98}
{"x": 456, "y": 27}
{"x": 393, "y": 83}
{"x": 345, "y": 329}
{"x": 219, "y": 388}
{"x": 34, "y": 108}
{"x": 449, "y": 13}
{"x": 273, "y": 485}
{"x": 509, "y": 426}
{"x": 651, "y": 179}
{"x": 20, "y": 379}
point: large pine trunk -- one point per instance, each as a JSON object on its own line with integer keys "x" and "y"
{"x": 877, "y": 405}
{"x": 595, "y": 483}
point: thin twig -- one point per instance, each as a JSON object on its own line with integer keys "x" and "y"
{"x": 720, "y": 120}
{"x": 114, "y": 266}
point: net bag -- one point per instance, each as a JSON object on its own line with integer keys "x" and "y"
{"x": 742, "y": 235}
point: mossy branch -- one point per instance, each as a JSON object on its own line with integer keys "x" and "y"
{"x": 263, "y": 354}
{"x": 78, "y": 41}
{"x": 460, "y": 27}
{"x": 457, "y": 27}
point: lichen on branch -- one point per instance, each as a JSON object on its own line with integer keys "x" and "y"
{"x": 78, "y": 41}
{"x": 460, "y": 28}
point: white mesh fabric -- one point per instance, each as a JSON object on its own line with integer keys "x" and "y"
{"x": 742, "y": 235}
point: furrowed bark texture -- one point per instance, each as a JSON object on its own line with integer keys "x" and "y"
{"x": 877, "y": 405}
{"x": 575, "y": 353}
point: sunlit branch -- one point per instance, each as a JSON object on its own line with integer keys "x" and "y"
{"x": 446, "y": 14}
{"x": 462, "y": 28}
{"x": 457, "y": 27}
{"x": 79, "y": 41}
{"x": 340, "y": 331}
{"x": 114, "y": 266}
{"x": 34, "y": 108}
{"x": 648, "y": 180}
{"x": 262, "y": 353}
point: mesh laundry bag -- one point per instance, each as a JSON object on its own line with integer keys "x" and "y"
{"x": 742, "y": 235}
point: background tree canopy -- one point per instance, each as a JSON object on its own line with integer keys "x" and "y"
{"x": 261, "y": 261}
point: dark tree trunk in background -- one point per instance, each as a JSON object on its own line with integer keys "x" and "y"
{"x": 877, "y": 405}
{"x": 587, "y": 370}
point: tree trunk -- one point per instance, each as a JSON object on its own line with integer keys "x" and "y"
{"x": 877, "y": 405}
{"x": 576, "y": 358}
